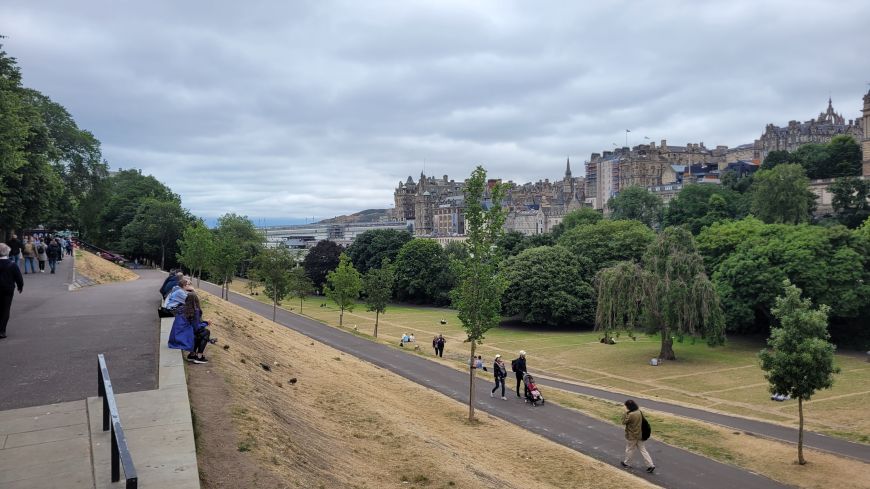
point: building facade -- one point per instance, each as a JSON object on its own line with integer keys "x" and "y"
{"x": 820, "y": 130}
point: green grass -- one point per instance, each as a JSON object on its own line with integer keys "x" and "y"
{"x": 726, "y": 378}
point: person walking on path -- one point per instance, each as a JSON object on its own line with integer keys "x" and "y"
{"x": 10, "y": 278}
{"x": 41, "y": 255}
{"x": 439, "y": 345}
{"x": 518, "y": 365}
{"x": 14, "y": 248}
{"x": 28, "y": 251}
{"x": 633, "y": 421}
{"x": 499, "y": 373}
{"x": 54, "y": 253}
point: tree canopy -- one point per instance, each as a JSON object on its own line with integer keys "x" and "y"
{"x": 343, "y": 286}
{"x": 841, "y": 157}
{"x": 607, "y": 242}
{"x": 371, "y": 247}
{"x": 378, "y": 288}
{"x": 272, "y": 266}
{"x": 636, "y": 203}
{"x": 782, "y": 195}
{"x": 320, "y": 260}
{"x": 699, "y": 205}
{"x": 851, "y": 200}
{"x": 423, "y": 273}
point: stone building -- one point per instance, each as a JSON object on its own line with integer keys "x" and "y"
{"x": 865, "y": 140}
{"x": 820, "y": 130}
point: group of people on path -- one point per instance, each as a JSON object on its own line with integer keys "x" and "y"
{"x": 189, "y": 332}
{"x": 35, "y": 250}
{"x": 499, "y": 373}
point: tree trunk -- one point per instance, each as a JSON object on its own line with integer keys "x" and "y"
{"x": 162, "y": 257}
{"x": 377, "y": 313}
{"x": 274, "y": 307}
{"x": 198, "y": 274}
{"x": 471, "y": 376}
{"x": 801, "y": 432}
{"x": 300, "y": 304}
{"x": 341, "y": 317}
{"x": 667, "y": 351}
{"x": 227, "y": 284}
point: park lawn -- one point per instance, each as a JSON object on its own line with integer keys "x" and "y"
{"x": 100, "y": 270}
{"x": 726, "y": 379}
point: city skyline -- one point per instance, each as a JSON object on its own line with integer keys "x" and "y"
{"x": 319, "y": 109}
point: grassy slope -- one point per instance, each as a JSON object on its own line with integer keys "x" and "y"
{"x": 100, "y": 270}
{"x": 346, "y": 423}
{"x": 726, "y": 379}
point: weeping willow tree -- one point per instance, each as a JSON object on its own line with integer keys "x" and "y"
{"x": 668, "y": 292}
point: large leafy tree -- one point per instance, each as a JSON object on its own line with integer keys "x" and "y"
{"x": 371, "y": 247}
{"x": 699, "y": 205}
{"x": 607, "y": 242}
{"x": 668, "y": 292}
{"x": 196, "y": 248}
{"x": 320, "y": 260}
{"x": 748, "y": 260}
{"x": 300, "y": 285}
{"x": 272, "y": 267}
{"x": 549, "y": 285}
{"x": 798, "y": 359}
{"x": 777, "y": 157}
{"x": 782, "y": 195}
{"x": 126, "y": 191}
{"x": 343, "y": 286}
{"x": 477, "y": 296}
{"x": 423, "y": 273}
{"x": 225, "y": 261}
{"x": 851, "y": 200}
{"x": 247, "y": 237}
{"x": 636, "y": 203}
{"x": 155, "y": 230}
{"x": 585, "y": 215}
{"x": 378, "y": 288}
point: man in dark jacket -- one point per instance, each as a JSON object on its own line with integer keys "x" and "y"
{"x": 14, "y": 248}
{"x": 170, "y": 283}
{"x": 519, "y": 368}
{"x": 10, "y": 278}
{"x": 54, "y": 253}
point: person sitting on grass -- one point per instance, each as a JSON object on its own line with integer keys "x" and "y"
{"x": 189, "y": 332}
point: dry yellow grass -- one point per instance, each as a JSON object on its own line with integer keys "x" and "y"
{"x": 776, "y": 460}
{"x": 100, "y": 270}
{"x": 347, "y": 423}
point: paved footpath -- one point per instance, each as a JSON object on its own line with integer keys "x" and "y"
{"x": 675, "y": 468}
{"x": 54, "y": 336}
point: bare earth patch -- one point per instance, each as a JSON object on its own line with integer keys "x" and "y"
{"x": 310, "y": 416}
{"x": 100, "y": 270}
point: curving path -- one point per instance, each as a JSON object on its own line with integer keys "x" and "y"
{"x": 676, "y": 468}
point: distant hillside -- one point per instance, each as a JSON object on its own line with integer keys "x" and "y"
{"x": 368, "y": 215}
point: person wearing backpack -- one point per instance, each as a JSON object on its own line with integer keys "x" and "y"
{"x": 637, "y": 431}
{"x": 41, "y": 255}
{"x": 518, "y": 365}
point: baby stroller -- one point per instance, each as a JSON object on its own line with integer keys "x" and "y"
{"x": 533, "y": 394}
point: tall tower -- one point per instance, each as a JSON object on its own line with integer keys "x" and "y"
{"x": 865, "y": 142}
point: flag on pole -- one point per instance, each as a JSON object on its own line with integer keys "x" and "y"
{"x": 628, "y": 130}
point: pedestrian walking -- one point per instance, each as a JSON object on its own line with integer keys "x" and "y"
{"x": 41, "y": 255}
{"x": 62, "y": 243}
{"x": 518, "y": 365}
{"x": 499, "y": 373}
{"x": 28, "y": 252}
{"x": 54, "y": 253}
{"x": 635, "y": 436}
{"x": 439, "y": 345}
{"x": 10, "y": 278}
{"x": 15, "y": 245}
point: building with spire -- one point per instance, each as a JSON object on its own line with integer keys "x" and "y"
{"x": 820, "y": 130}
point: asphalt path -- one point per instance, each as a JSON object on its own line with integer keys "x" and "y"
{"x": 675, "y": 468}
{"x": 54, "y": 336}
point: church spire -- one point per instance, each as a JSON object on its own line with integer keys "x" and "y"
{"x": 568, "y": 168}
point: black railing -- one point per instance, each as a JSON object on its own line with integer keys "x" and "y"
{"x": 111, "y": 419}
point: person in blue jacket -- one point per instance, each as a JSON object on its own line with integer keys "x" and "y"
{"x": 189, "y": 332}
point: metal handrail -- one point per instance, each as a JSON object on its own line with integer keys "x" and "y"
{"x": 112, "y": 420}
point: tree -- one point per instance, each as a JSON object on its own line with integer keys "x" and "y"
{"x": 636, "y": 203}
{"x": 125, "y": 192}
{"x": 241, "y": 230}
{"x": 607, "y": 242}
{"x": 423, "y": 273}
{"x": 300, "y": 285}
{"x": 699, "y": 205}
{"x": 155, "y": 229}
{"x": 585, "y": 215}
{"x": 343, "y": 286}
{"x": 668, "y": 292}
{"x": 782, "y": 195}
{"x": 196, "y": 247}
{"x": 225, "y": 260}
{"x": 777, "y": 157}
{"x": 378, "y": 288}
{"x": 844, "y": 158}
{"x": 798, "y": 359}
{"x": 320, "y": 260}
{"x": 477, "y": 297}
{"x": 273, "y": 266}
{"x": 851, "y": 200}
{"x": 549, "y": 285}
{"x": 371, "y": 247}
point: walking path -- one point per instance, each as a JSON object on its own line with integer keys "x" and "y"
{"x": 676, "y": 468}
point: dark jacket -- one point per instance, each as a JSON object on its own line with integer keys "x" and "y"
{"x": 182, "y": 336}
{"x": 499, "y": 370}
{"x": 520, "y": 365}
{"x": 14, "y": 246}
{"x": 169, "y": 285}
{"x": 10, "y": 277}
{"x": 54, "y": 251}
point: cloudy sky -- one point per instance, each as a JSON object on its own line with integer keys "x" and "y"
{"x": 294, "y": 109}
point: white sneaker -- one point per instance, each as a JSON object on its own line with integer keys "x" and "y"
{"x": 491, "y": 394}
{"x": 503, "y": 398}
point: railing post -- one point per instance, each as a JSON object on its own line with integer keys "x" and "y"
{"x": 116, "y": 459}
{"x": 106, "y": 413}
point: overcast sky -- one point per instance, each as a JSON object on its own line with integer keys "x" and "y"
{"x": 292, "y": 109}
